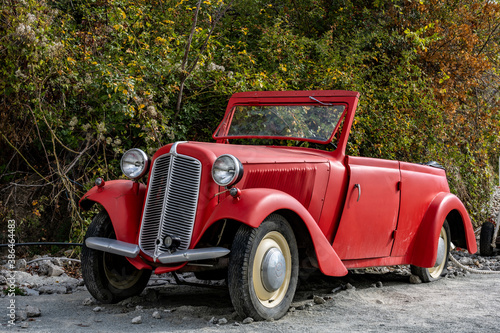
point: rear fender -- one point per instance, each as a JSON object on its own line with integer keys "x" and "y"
{"x": 425, "y": 248}
{"x": 123, "y": 200}
{"x": 254, "y": 205}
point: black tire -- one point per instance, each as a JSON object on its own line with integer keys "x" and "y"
{"x": 486, "y": 238}
{"x": 439, "y": 269}
{"x": 268, "y": 248}
{"x": 108, "y": 277}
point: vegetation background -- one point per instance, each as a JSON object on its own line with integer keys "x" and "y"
{"x": 82, "y": 81}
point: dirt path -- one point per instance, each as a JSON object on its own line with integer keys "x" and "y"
{"x": 464, "y": 304}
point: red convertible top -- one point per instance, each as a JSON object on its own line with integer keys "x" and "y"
{"x": 281, "y": 94}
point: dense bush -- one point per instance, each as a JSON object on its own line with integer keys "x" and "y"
{"x": 82, "y": 81}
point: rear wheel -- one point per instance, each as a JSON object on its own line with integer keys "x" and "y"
{"x": 439, "y": 269}
{"x": 486, "y": 239}
{"x": 263, "y": 269}
{"x": 108, "y": 277}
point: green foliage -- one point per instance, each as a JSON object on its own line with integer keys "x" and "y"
{"x": 16, "y": 291}
{"x": 82, "y": 81}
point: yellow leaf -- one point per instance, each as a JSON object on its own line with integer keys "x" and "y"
{"x": 122, "y": 13}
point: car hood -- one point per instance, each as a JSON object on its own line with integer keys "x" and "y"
{"x": 300, "y": 172}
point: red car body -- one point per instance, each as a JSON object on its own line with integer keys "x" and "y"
{"x": 352, "y": 212}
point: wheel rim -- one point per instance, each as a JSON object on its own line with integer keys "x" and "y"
{"x": 270, "y": 278}
{"x": 119, "y": 272}
{"x": 435, "y": 272}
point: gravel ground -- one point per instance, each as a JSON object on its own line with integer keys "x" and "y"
{"x": 375, "y": 300}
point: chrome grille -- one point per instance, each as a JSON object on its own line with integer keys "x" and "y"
{"x": 171, "y": 203}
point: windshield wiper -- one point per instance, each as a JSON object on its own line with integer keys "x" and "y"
{"x": 320, "y": 102}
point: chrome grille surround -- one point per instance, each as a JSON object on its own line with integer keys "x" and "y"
{"x": 171, "y": 202}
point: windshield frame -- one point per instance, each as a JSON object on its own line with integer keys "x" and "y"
{"x": 221, "y": 133}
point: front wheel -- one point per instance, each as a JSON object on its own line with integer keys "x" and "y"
{"x": 439, "y": 269}
{"x": 108, "y": 277}
{"x": 263, "y": 269}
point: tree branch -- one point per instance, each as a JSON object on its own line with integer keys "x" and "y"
{"x": 186, "y": 73}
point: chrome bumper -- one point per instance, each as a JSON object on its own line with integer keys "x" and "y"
{"x": 131, "y": 250}
{"x": 113, "y": 246}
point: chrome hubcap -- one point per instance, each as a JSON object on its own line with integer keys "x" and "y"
{"x": 440, "y": 264}
{"x": 273, "y": 269}
{"x": 440, "y": 252}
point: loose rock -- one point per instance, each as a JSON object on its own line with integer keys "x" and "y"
{"x": 247, "y": 320}
{"x": 137, "y": 320}
{"x": 54, "y": 270}
{"x": 222, "y": 321}
{"x": 31, "y": 292}
{"x": 43, "y": 267}
{"x": 21, "y": 315}
{"x": 88, "y": 301}
{"x": 156, "y": 315}
{"x": 319, "y": 300}
{"x": 33, "y": 311}
{"x": 53, "y": 290}
{"x": 97, "y": 309}
{"x": 21, "y": 265}
{"x": 415, "y": 279}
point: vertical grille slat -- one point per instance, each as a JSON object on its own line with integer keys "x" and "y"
{"x": 171, "y": 202}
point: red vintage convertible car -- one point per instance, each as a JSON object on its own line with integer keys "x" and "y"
{"x": 255, "y": 214}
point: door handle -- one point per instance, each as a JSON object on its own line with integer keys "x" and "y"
{"x": 358, "y": 186}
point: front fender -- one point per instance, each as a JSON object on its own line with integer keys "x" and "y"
{"x": 123, "y": 200}
{"x": 425, "y": 248}
{"x": 254, "y": 205}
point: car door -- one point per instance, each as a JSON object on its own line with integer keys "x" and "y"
{"x": 370, "y": 214}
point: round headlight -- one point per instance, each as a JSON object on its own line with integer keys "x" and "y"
{"x": 227, "y": 170}
{"x": 134, "y": 163}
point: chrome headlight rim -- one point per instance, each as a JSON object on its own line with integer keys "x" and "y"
{"x": 145, "y": 163}
{"x": 238, "y": 171}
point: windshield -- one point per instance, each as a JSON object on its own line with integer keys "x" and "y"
{"x": 295, "y": 122}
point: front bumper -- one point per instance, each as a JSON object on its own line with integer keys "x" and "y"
{"x": 132, "y": 250}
